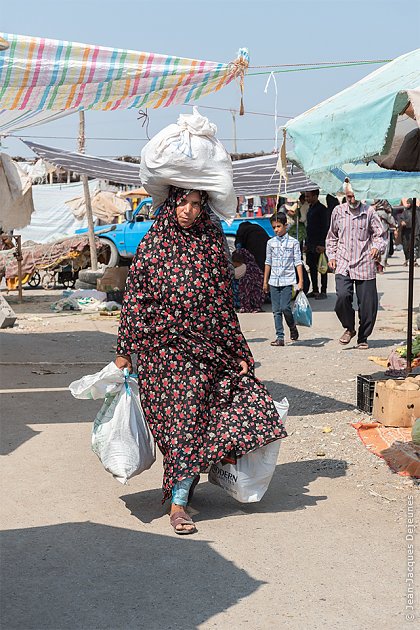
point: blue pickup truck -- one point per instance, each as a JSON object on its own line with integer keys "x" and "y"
{"x": 123, "y": 238}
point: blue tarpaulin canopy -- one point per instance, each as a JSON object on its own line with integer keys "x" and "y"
{"x": 352, "y": 133}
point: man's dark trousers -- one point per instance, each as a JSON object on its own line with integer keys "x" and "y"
{"x": 367, "y": 298}
{"x": 312, "y": 259}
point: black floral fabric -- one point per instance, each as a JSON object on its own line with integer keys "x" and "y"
{"x": 178, "y": 316}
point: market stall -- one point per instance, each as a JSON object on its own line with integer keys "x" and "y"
{"x": 368, "y": 133}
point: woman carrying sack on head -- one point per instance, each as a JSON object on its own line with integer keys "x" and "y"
{"x": 198, "y": 390}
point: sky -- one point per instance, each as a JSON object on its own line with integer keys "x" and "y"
{"x": 275, "y": 32}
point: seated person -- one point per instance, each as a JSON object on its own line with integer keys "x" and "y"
{"x": 248, "y": 283}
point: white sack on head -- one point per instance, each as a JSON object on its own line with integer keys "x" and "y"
{"x": 188, "y": 155}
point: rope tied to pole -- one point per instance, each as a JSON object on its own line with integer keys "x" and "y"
{"x": 238, "y": 68}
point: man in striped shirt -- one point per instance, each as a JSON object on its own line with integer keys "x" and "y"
{"x": 354, "y": 244}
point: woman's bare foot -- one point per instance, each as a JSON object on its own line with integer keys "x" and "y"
{"x": 181, "y": 520}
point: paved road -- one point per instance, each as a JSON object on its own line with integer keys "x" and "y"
{"x": 325, "y": 548}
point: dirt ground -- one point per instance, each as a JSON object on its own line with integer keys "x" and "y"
{"x": 325, "y": 548}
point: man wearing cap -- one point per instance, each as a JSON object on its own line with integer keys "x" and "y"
{"x": 317, "y": 224}
{"x": 354, "y": 245}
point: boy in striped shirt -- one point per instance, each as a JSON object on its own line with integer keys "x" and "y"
{"x": 283, "y": 257}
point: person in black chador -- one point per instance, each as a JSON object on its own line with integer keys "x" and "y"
{"x": 253, "y": 238}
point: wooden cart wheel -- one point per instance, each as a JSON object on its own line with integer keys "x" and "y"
{"x": 35, "y": 280}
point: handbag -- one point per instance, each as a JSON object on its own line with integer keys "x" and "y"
{"x": 322, "y": 264}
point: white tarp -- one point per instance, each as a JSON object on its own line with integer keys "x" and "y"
{"x": 106, "y": 205}
{"x": 16, "y": 204}
{"x": 52, "y": 218}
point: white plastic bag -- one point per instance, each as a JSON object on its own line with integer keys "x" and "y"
{"x": 93, "y": 386}
{"x": 121, "y": 437}
{"x": 188, "y": 155}
{"x": 247, "y": 481}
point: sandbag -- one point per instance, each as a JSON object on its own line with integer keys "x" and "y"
{"x": 188, "y": 155}
{"x": 247, "y": 481}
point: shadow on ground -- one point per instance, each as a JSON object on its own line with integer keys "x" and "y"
{"x": 313, "y": 343}
{"x": 288, "y": 492}
{"x": 257, "y": 339}
{"x": 68, "y": 352}
{"x": 304, "y": 402}
{"x": 375, "y": 343}
{"x": 84, "y": 576}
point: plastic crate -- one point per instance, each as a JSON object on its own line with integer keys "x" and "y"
{"x": 365, "y": 392}
{"x": 366, "y": 389}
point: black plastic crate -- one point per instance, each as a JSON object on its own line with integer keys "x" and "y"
{"x": 365, "y": 392}
{"x": 366, "y": 389}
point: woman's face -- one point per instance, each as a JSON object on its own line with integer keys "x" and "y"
{"x": 189, "y": 209}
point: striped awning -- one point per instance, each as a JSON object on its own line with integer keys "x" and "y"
{"x": 254, "y": 176}
{"x": 259, "y": 176}
{"x": 99, "y": 168}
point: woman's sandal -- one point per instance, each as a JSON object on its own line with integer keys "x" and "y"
{"x": 182, "y": 518}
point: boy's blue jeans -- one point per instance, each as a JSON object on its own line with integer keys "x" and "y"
{"x": 281, "y": 301}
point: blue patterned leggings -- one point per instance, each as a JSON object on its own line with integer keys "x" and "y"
{"x": 181, "y": 490}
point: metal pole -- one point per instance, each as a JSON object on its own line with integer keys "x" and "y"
{"x": 88, "y": 203}
{"x": 411, "y": 286}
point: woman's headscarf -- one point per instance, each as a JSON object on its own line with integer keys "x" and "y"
{"x": 167, "y": 213}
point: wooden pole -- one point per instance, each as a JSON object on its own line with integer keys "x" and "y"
{"x": 411, "y": 287}
{"x": 18, "y": 255}
{"x": 88, "y": 202}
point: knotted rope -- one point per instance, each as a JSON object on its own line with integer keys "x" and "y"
{"x": 238, "y": 69}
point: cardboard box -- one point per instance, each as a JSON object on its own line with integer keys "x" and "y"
{"x": 113, "y": 279}
{"x": 395, "y": 408}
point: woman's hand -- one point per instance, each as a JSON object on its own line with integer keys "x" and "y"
{"x": 124, "y": 362}
{"x": 244, "y": 367}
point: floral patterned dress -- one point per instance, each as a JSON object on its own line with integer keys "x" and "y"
{"x": 178, "y": 316}
{"x": 250, "y": 287}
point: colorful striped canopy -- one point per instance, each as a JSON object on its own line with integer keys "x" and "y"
{"x": 39, "y": 75}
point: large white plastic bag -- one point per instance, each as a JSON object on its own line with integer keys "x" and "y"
{"x": 302, "y": 312}
{"x": 120, "y": 435}
{"x": 93, "y": 386}
{"x": 188, "y": 155}
{"x": 247, "y": 481}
